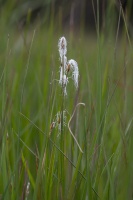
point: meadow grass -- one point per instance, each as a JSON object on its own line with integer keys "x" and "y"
{"x": 30, "y": 99}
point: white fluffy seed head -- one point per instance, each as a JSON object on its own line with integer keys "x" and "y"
{"x": 62, "y": 45}
{"x": 65, "y": 67}
{"x": 75, "y": 71}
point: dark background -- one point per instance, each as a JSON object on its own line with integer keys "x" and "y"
{"x": 72, "y": 15}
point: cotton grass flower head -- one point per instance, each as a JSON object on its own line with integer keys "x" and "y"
{"x": 62, "y": 45}
{"x": 75, "y": 71}
{"x": 66, "y": 66}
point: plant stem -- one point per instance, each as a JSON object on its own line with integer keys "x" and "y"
{"x": 62, "y": 133}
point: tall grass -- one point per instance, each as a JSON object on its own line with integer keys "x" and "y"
{"x": 30, "y": 99}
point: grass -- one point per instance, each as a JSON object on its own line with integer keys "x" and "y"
{"x": 54, "y": 166}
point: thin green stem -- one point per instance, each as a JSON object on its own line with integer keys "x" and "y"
{"x": 70, "y": 128}
{"x": 62, "y": 133}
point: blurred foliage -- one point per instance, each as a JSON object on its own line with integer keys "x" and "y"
{"x": 73, "y": 14}
{"x": 29, "y": 61}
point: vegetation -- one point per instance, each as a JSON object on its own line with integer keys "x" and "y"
{"x": 38, "y": 162}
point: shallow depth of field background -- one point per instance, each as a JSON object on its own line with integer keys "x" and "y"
{"x": 99, "y": 37}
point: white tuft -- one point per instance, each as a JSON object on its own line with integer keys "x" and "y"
{"x": 75, "y": 71}
{"x": 62, "y": 45}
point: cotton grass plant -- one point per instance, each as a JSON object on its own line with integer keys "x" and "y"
{"x": 49, "y": 157}
{"x": 66, "y": 67}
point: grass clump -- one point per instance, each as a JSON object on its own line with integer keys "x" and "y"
{"x": 52, "y": 146}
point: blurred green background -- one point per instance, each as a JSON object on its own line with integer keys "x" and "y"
{"x": 70, "y": 14}
{"x": 99, "y": 36}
